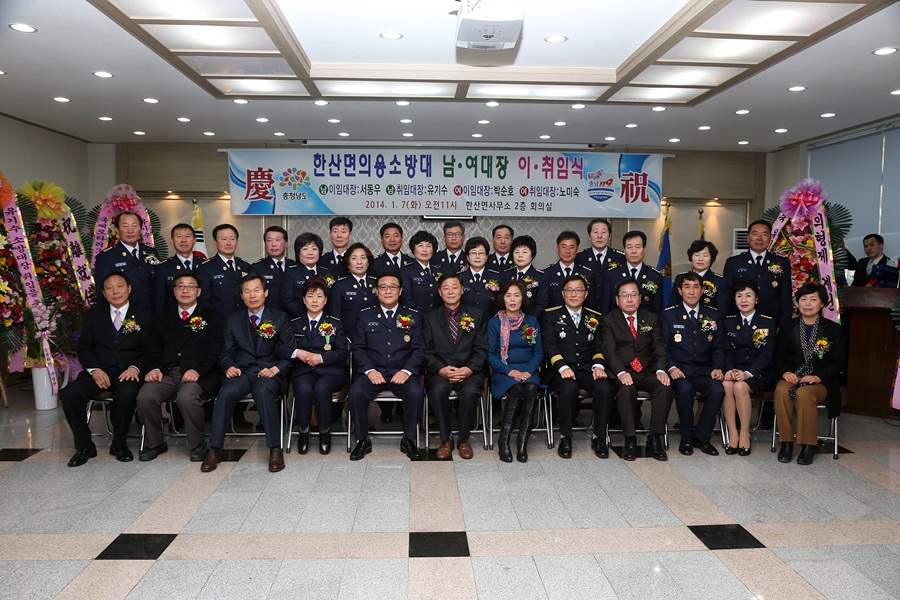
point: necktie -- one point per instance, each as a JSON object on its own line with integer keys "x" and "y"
{"x": 134, "y": 253}
{"x": 577, "y": 318}
{"x": 477, "y": 278}
{"x": 428, "y": 271}
{"x": 280, "y": 266}
{"x": 693, "y": 315}
{"x": 187, "y": 265}
{"x": 396, "y": 260}
{"x": 631, "y": 326}
{"x": 759, "y": 261}
{"x": 634, "y": 273}
{"x": 599, "y": 258}
{"x": 230, "y": 265}
{"x": 501, "y": 262}
{"x": 746, "y": 322}
{"x": 312, "y": 326}
{"x": 338, "y": 258}
{"x": 568, "y": 271}
{"x": 453, "y": 323}
{"x": 635, "y": 363}
{"x": 362, "y": 284}
{"x": 253, "y": 321}
{"x": 117, "y": 320}
{"x": 184, "y": 315}
{"x": 388, "y": 314}
{"x": 520, "y": 276}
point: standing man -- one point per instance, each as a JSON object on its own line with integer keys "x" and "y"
{"x": 451, "y": 259}
{"x": 250, "y": 366}
{"x": 500, "y": 260}
{"x": 220, "y": 276}
{"x": 599, "y": 258}
{"x": 341, "y": 230}
{"x": 273, "y": 265}
{"x": 392, "y": 258}
{"x": 387, "y": 353}
{"x": 649, "y": 280}
{"x": 873, "y": 245}
{"x": 572, "y": 341}
{"x": 635, "y": 353}
{"x": 566, "y": 249}
{"x": 182, "y": 362}
{"x": 693, "y": 335}
{"x": 183, "y": 240}
{"x": 455, "y": 351}
{"x": 111, "y": 350}
{"x": 770, "y": 272}
{"x": 130, "y": 256}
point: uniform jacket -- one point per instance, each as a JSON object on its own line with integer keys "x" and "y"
{"x": 742, "y": 352}
{"x": 166, "y": 274}
{"x": 274, "y": 278}
{"x": 295, "y": 278}
{"x": 384, "y": 263}
{"x": 565, "y": 345}
{"x": 347, "y": 297}
{"x": 481, "y": 294}
{"x": 555, "y": 275}
{"x": 649, "y": 280}
{"x": 220, "y": 286}
{"x": 714, "y": 293}
{"x": 773, "y": 279}
{"x": 141, "y": 273}
{"x": 597, "y": 290}
{"x": 420, "y": 289}
{"x": 385, "y": 346}
{"x": 538, "y": 291}
{"x": 335, "y": 267}
{"x": 313, "y": 340}
{"x": 440, "y": 262}
{"x": 697, "y": 347}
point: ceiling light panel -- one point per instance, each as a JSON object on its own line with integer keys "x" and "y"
{"x": 723, "y": 50}
{"x": 213, "y": 66}
{"x": 656, "y": 94}
{"x": 749, "y": 17}
{"x": 528, "y": 92}
{"x": 684, "y": 75}
{"x": 187, "y": 10}
{"x": 258, "y": 87}
{"x": 387, "y": 89}
{"x": 200, "y": 38}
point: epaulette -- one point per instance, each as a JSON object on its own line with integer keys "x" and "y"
{"x": 410, "y": 309}
{"x": 733, "y": 316}
{"x": 260, "y": 260}
{"x": 207, "y": 260}
{"x": 369, "y": 308}
{"x": 672, "y": 307}
{"x": 108, "y": 249}
{"x": 549, "y": 267}
{"x": 538, "y": 270}
{"x": 546, "y": 310}
{"x": 592, "y": 311}
{"x": 333, "y": 318}
{"x": 294, "y": 266}
{"x": 298, "y": 318}
{"x": 651, "y": 268}
{"x": 766, "y": 316}
{"x": 341, "y": 278}
{"x": 716, "y": 274}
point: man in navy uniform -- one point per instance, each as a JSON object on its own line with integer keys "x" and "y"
{"x": 183, "y": 240}
{"x": 566, "y": 249}
{"x": 273, "y": 265}
{"x": 451, "y": 259}
{"x": 130, "y": 256}
{"x": 599, "y": 258}
{"x": 572, "y": 341}
{"x": 341, "y": 230}
{"x": 388, "y": 349}
{"x": 649, "y": 280}
{"x": 220, "y": 276}
{"x": 771, "y": 273}
{"x": 480, "y": 283}
{"x": 250, "y": 364}
{"x": 500, "y": 259}
{"x": 392, "y": 258}
{"x": 696, "y": 350}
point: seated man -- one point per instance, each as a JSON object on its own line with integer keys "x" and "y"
{"x": 250, "y": 366}
{"x": 455, "y": 351}
{"x": 387, "y": 353}
{"x": 111, "y": 350}
{"x": 183, "y": 362}
{"x": 693, "y": 334}
{"x": 572, "y": 342}
{"x": 635, "y": 352}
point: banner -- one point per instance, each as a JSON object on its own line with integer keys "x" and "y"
{"x": 365, "y": 181}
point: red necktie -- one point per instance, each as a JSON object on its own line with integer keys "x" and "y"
{"x": 635, "y": 363}
{"x": 253, "y": 320}
{"x": 184, "y": 315}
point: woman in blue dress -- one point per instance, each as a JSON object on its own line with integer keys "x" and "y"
{"x": 514, "y": 354}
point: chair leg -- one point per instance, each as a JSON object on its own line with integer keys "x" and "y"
{"x": 143, "y": 429}
{"x": 724, "y": 429}
{"x": 774, "y": 431}
{"x": 548, "y": 419}
{"x": 427, "y": 425}
{"x": 834, "y": 434}
{"x": 290, "y": 435}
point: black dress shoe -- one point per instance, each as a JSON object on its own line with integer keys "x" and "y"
{"x": 151, "y": 453}
{"x": 600, "y": 448}
{"x": 686, "y": 448}
{"x": 122, "y": 453}
{"x": 324, "y": 442}
{"x": 786, "y": 453}
{"x": 303, "y": 442}
{"x": 565, "y": 447}
{"x": 82, "y": 456}
{"x": 629, "y": 450}
{"x": 198, "y": 452}
{"x": 410, "y": 448}
{"x": 655, "y": 447}
{"x": 731, "y": 451}
{"x": 362, "y": 448}
{"x": 743, "y": 451}
{"x": 706, "y": 448}
{"x": 807, "y": 454}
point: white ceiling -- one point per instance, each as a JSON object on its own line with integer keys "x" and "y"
{"x": 621, "y": 59}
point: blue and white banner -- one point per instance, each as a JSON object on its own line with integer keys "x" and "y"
{"x": 456, "y": 182}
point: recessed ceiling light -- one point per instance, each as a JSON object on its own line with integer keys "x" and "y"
{"x": 105, "y": 118}
{"x": 826, "y": 115}
{"x": 545, "y": 137}
{"x": 556, "y": 38}
{"x": 895, "y": 93}
{"x": 781, "y": 130}
{"x": 321, "y": 102}
{"x": 880, "y": 52}
{"x": 704, "y": 128}
{"x": 390, "y": 35}
{"x": 183, "y": 120}
{"x": 261, "y": 120}
{"x": 492, "y": 104}
{"x": 484, "y": 122}
{"x": 658, "y": 108}
{"x": 477, "y": 135}
{"x": 578, "y": 106}
{"x": 631, "y": 125}
{"x": 240, "y": 101}
{"x": 796, "y": 88}
{"x": 743, "y": 143}
{"x": 407, "y": 134}
{"x": 61, "y": 99}
{"x": 742, "y": 111}
{"x": 103, "y": 74}
{"x": 151, "y": 100}
{"x": 334, "y": 120}
{"x": 209, "y": 133}
{"x": 406, "y": 121}
{"x": 402, "y": 103}
{"x": 674, "y": 140}
{"x": 344, "y": 134}
{"x": 138, "y": 133}
{"x": 279, "y": 133}
{"x": 560, "y": 123}
{"x": 22, "y": 28}
{"x": 610, "y": 138}
{"x": 2, "y": 72}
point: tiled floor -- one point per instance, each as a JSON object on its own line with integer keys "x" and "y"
{"x": 693, "y": 527}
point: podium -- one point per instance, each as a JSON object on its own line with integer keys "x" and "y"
{"x": 872, "y": 355}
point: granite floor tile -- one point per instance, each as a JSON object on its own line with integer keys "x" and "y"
{"x": 174, "y": 580}
{"x": 329, "y": 512}
{"x": 271, "y": 546}
{"x": 52, "y": 546}
{"x": 222, "y": 513}
{"x": 240, "y": 580}
{"x": 341, "y": 477}
{"x": 386, "y": 578}
{"x": 307, "y": 578}
{"x": 679, "y": 493}
{"x": 275, "y": 512}
{"x": 446, "y": 577}
{"x": 573, "y": 576}
{"x": 37, "y": 579}
{"x": 488, "y": 510}
{"x": 639, "y": 576}
{"x": 512, "y": 577}
{"x": 838, "y": 579}
{"x": 541, "y": 510}
{"x": 878, "y": 564}
{"x": 382, "y": 511}
{"x": 106, "y": 580}
{"x": 766, "y": 575}
{"x": 703, "y": 575}
{"x": 434, "y": 500}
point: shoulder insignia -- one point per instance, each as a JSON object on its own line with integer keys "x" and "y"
{"x": 716, "y": 274}
{"x": 672, "y": 307}
{"x": 592, "y": 311}
{"x": 651, "y": 269}
{"x": 207, "y": 261}
{"x": 765, "y": 316}
{"x": 342, "y": 278}
{"x": 549, "y": 267}
{"x": 298, "y": 318}
{"x": 546, "y": 310}
{"x": 108, "y": 249}
{"x": 260, "y": 260}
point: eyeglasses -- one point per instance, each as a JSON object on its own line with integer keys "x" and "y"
{"x": 388, "y": 287}
{"x": 453, "y": 234}
{"x": 574, "y": 290}
{"x": 182, "y": 286}
{"x": 629, "y": 296}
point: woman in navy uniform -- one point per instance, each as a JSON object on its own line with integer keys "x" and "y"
{"x": 702, "y": 255}
{"x": 356, "y": 291}
{"x": 480, "y": 284}
{"x": 514, "y": 354}
{"x": 320, "y": 351}
{"x": 307, "y": 250}
{"x": 749, "y": 349}
{"x": 524, "y": 249}
{"x": 419, "y": 281}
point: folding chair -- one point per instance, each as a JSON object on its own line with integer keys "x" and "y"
{"x": 170, "y": 423}
{"x": 103, "y": 399}
{"x": 543, "y": 409}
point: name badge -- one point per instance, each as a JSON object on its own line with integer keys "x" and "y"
{"x": 121, "y": 264}
{"x": 218, "y": 277}
{"x": 677, "y": 326}
{"x": 349, "y": 293}
{"x": 373, "y": 324}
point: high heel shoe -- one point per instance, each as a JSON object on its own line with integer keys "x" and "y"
{"x": 730, "y": 451}
{"x": 744, "y": 451}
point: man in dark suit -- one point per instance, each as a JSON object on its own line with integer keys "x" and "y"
{"x": 341, "y": 230}
{"x": 392, "y": 259}
{"x": 649, "y": 280}
{"x": 387, "y": 353}
{"x": 183, "y": 361}
{"x": 599, "y": 258}
{"x": 455, "y": 351}
{"x": 130, "y": 256}
{"x": 693, "y": 334}
{"x": 566, "y": 249}
{"x": 770, "y": 272}
{"x": 220, "y": 276}
{"x": 111, "y": 350}
{"x": 183, "y": 240}
{"x": 572, "y": 341}
{"x": 251, "y": 366}
{"x": 873, "y": 245}
{"x": 451, "y": 259}
{"x": 500, "y": 260}
{"x": 273, "y": 265}
{"x": 635, "y": 353}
